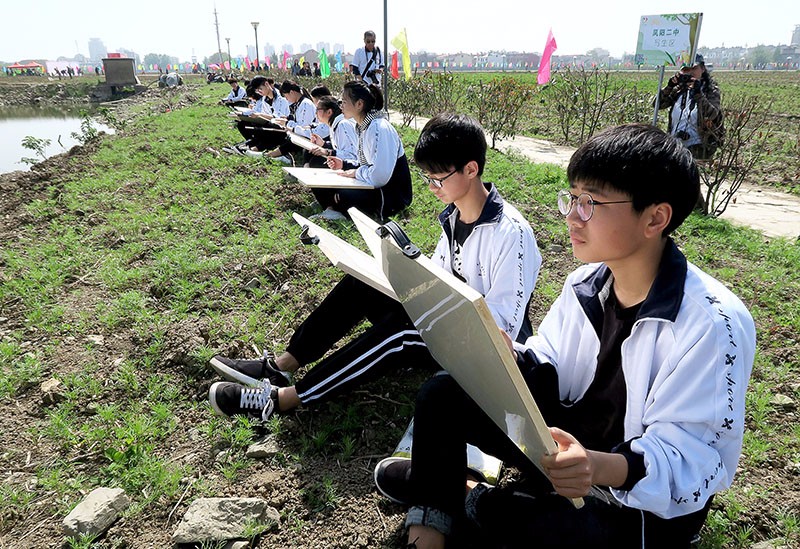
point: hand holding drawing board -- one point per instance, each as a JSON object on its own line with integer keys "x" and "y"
{"x": 455, "y": 323}
{"x": 461, "y": 334}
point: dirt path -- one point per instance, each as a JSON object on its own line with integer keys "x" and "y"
{"x": 775, "y": 213}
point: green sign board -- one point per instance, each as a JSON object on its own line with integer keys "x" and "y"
{"x": 669, "y": 39}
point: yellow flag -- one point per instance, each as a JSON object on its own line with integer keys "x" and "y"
{"x": 401, "y": 43}
{"x": 302, "y": 60}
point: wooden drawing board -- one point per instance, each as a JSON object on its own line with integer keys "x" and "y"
{"x": 461, "y": 334}
{"x": 369, "y": 232}
{"x": 347, "y": 257}
{"x": 323, "y": 178}
{"x": 302, "y": 142}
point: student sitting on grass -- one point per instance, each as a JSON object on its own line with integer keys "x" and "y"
{"x": 261, "y": 134}
{"x": 237, "y": 97}
{"x": 640, "y": 368}
{"x": 381, "y": 159}
{"x": 342, "y": 142}
{"x": 484, "y": 241}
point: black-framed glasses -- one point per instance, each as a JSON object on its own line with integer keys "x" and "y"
{"x": 436, "y": 182}
{"x": 584, "y": 204}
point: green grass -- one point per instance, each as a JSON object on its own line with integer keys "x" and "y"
{"x": 150, "y": 242}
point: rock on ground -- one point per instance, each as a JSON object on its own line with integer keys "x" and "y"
{"x": 218, "y": 519}
{"x": 97, "y": 512}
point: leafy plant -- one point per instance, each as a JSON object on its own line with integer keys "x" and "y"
{"x": 38, "y": 146}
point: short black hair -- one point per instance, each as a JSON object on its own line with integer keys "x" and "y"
{"x": 643, "y": 162}
{"x": 320, "y": 90}
{"x": 448, "y": 142}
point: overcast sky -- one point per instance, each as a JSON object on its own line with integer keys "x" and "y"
{"x": 51, "y": 28}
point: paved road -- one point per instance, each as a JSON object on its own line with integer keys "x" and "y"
{"x": 775, "y": 213}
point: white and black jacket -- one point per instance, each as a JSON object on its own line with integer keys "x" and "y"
{"x": 686, "y": 366}
{"x": 344, "y": 139}
{"x": 500, "y": 260}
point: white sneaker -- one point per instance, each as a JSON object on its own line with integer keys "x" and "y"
{"x": 284, "y": 160}
{"x": 254, "y": 154}
{"x": 330, "y": 215}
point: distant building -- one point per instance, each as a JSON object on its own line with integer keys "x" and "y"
{"x": 324, "y": 46}
{"x": 287, "y": 48}
{"x": 129, "y": 53}
{"x": 305, "y": 47}
{"x": 796, "y": 36}
{"x": 251, "y": 52}
{"x": 97, "y": 50}
{"x": 269, "y": 50}
{"x": 337, "y": 47}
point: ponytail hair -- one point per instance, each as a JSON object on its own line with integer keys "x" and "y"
{"x": 290, "y": 86}
{"x": 371, "y": 94}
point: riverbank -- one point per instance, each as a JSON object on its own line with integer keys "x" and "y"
{"x": 127, "y": 264}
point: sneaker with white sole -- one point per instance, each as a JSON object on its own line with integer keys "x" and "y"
{"x": 234, "y": 150}
{"x": 231, "y": 399}
{"x": 251, "y": 371}
{"x": 393, "y": 479}
{"x": 254, "y": 154}
{"x": 281, "y": 160}
{"x": 330, "y": 214}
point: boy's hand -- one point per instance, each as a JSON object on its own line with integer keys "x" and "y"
{"x": 319, "y": 151}
{"x": 508, "y": 341}
{"x": 571, "y": 470}
{"x": 317, "y": 140}
{"x": 335, "y": 163}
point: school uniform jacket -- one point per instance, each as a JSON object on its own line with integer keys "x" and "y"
{"x": 686, "y": 366}
{"x": 236, "y": 95}
{"x": 304, "y": 115}
{"x": 344, "y": 139}
{"x": 382, "y": 147}
{"x": 500, "y": 259}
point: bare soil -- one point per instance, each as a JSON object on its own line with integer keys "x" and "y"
{"x": 358, "y": 517}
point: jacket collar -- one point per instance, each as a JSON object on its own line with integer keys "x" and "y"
{"x": 492, "y": 210}
{"x": 662, "y": 302}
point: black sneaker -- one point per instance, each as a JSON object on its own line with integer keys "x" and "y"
{"x": 392, "y": 478}
{"x": 251, "y": 372}
{"x": 230, "y": 399}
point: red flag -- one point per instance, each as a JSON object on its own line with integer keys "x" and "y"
{"x": 395, "y": 67}
{"x": 543, "y": 76}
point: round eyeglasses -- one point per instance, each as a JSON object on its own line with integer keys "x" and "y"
{"x": 584, "y": 204}
{"x": 436, "y": 182}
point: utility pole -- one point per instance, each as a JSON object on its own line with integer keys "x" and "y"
{"x": 228, "y": 40}
{"x": 255, "y": 29}
{"x": 219, "y": 45}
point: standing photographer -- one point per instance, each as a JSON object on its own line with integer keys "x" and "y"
{"x": 695, "y": 115}
{"x": 367, "y": 64}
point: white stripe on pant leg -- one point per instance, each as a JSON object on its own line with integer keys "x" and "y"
{"x": 356, "y": 364}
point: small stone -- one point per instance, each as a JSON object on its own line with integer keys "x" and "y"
{"x": 96, "y": 339}
{"x": 52, "y": 391}
{"x": 237, "y": 545}
{"x": 217, "y": 519}
{"x": 782, "y": 401}
{"x": 285, "y": 287}
{"x": 254, "y": 283}
{"x": 97, "y": 512}
{"x": 555, "y": 248}
{"x": 118, "y": 361}
{"x": 263, "y": 449}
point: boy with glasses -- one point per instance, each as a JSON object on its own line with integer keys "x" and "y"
{"x": 640, "y": 367}
{"x": 485, "y": 242}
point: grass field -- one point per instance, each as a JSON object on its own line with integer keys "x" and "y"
{"x": 126, "y": 266}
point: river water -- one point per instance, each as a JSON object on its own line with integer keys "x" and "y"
{"x": 42, "y": 123}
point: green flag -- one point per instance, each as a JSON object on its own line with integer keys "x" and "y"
{"x": 324, "y": 66}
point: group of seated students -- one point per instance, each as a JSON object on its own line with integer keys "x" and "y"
{"x": 353, "y": 136}
{"x": 639, "y": 368}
